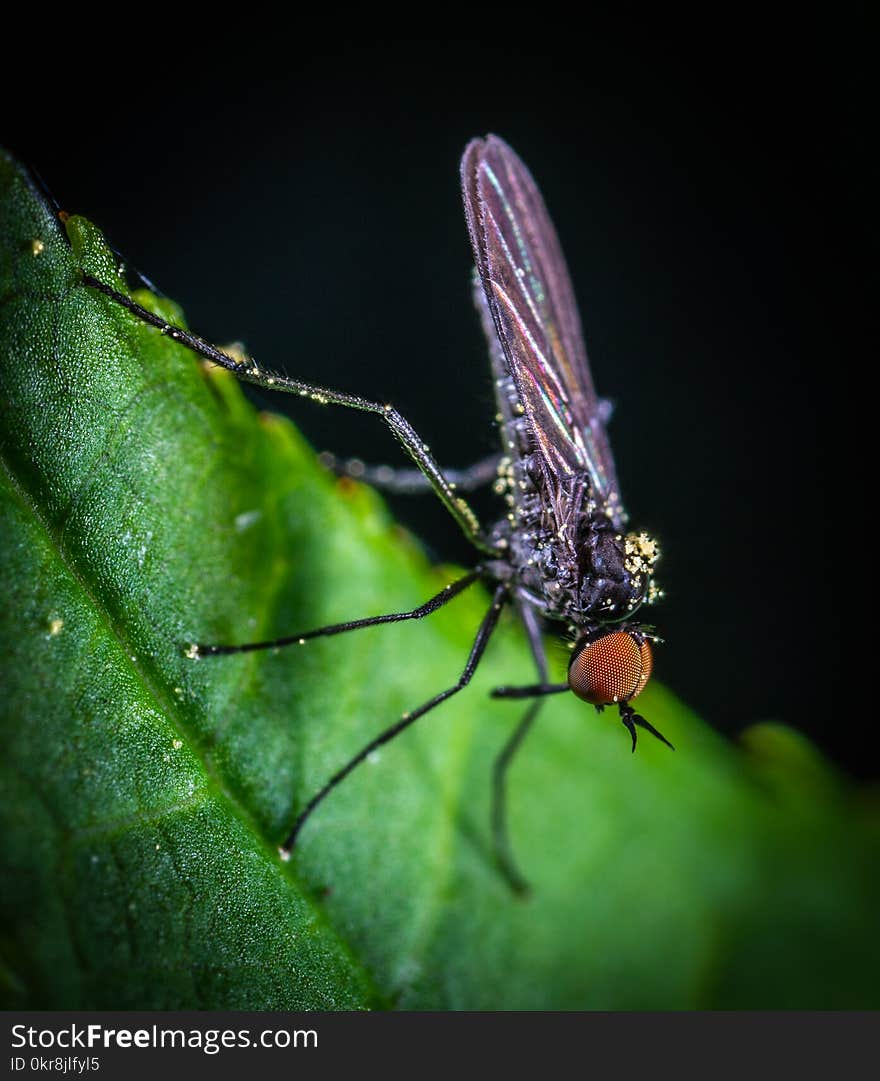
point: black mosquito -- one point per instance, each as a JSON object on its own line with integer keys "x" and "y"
{"x": 560, "y": 552}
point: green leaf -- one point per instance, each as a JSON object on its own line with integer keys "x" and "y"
{"x": 147, "y": 505}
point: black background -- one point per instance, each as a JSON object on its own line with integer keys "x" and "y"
{"x": 708, "y": 187}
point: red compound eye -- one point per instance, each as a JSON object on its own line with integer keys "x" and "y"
{"x": 613, "y": 668}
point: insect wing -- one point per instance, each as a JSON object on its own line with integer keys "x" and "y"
{"x": 529, "y": 293}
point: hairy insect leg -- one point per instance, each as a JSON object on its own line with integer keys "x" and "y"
{"x": 632, "y": 720}
{"x": 437, "y": 601}
{"x": 500, "y": 832}
{"x": 412, "y": 481}
{"x": 250, "y": 372}
{"x": 484, "y": 633}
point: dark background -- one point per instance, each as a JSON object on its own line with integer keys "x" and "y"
{"x": 710, "y": 194}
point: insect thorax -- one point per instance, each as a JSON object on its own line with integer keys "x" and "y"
{"x": 599, "y": 574}
{"x": 568, "y": 556}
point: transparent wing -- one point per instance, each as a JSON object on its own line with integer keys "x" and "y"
{"x": 529, "y": 293}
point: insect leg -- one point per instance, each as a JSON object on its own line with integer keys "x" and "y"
{"x": 487, "y": 626}
{"x": 437, "y": 601}
{"x": 533, "y": 690}
{"x": 500, "y": 833}
{"x": 412, "y": 481}
{"x": 249, "y": 372}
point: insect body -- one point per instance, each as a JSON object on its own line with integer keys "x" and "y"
{"x": 567, "y": 554}
{"x": 560, "y": 553}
